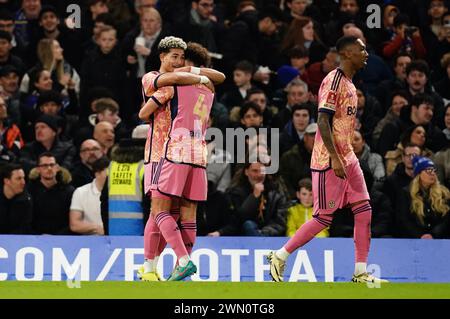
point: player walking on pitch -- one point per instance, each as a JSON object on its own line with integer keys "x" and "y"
{"x": 337, "y": 177}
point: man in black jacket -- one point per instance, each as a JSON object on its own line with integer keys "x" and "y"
{"x": 52, "y": 195}
{"x": 259, "y": 206}
{"x": 47, "y": 140}
{"x": 421, "y": 112}
{"x": 15, "y": 203}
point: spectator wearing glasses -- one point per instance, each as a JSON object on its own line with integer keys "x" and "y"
{"x": 82, "y": 173}
{"x": 403, "y": 173}
{"x": 424, "y": 205}
{"x": 51, "y": 194}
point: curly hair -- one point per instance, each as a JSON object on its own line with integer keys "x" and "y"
{"x": 198, "y": 54}
{"x": 439, "y": 195}
{"x": 171, "y": 42}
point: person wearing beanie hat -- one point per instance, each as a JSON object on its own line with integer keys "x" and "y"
{"x": 46, "y": 129}
{"x": 49, "y": 102}
{"x": 421, "y": 163}
{"x": 424, "y": 205}
{"x": 49, "y": 120}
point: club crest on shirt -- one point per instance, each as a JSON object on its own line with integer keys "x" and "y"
{"x": 331, "y": 203}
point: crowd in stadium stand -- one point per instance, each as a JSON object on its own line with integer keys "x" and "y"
{"x": 70, "y": 94}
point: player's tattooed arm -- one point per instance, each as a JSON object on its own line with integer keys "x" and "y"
{"x": 323, "y": 123}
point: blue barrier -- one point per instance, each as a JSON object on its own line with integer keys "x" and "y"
{"x": 219, "y": 259}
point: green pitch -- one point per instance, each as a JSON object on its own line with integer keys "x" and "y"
{"x": 220, "y": 290}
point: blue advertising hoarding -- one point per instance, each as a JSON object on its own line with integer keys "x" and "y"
{"x": 98, "y": 258}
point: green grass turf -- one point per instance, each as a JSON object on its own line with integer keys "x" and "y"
{"x": 220, "y": 290}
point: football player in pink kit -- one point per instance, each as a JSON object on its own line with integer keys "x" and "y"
{"x": 158, "y": 108}
{"x": 338, "y": 180}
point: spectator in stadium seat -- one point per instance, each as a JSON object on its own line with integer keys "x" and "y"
{"x": 371, "y": 160}
{"x": 260, "y": 98}
{"x": 82, "y": 173}
{"x": 442, "y": 158}
{"x": 26, "y": 20}
{"x": 413, "y": 135}
{"x": 294, "y": 164}
{"x": 140, "y": 46}
{"x": 398, "y": 101}
{"x": 50, "y": 27}
{"x": 419, "y": 113}
{"x": 368, "y": 114}
{"x": 296, "y": 93}
{"x": 295, "y": 9}
{"x": 316, "y": 72}
{"x": 294, "y": 130}
{"x": 443, "y": 85}
{"x": 15, "y": 202}
{"x": 252, "y": 37}
{"x": 424, "y": 206}
{"x": 10, "y": 135}
{"x": 418, "y": 81}
{"x": 51, "y": 192}
{"x": 301, "y": 32}
{"x": 398, "y": 83}
{"x": 405, "y": 39}
{"x": 302, "y": 209}
{"x": 85, "y": 208}
{"x": 47, "y": 140}
{"x": 242, "y": 76}
{"x": 402, "y": 175}
{"x": 259, "y": 205}
{"x": 105, "y": 109}
{"x": 6, "y": 57}
{"x": 104, "y": 135}
{"x": 7, "y": 24}
{"x": 65, "y": 78}
{"x": 104, "y": 66}
{"x": 9, "y": 85}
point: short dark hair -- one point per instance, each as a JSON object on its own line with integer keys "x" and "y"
{"x": 399, "y": 55}
{"x": 7, "y": 169}
{"x": 105, "y": 18}
{"x": 303, "y": 106}
{"x": 5, "y": 35}
{"x": 305, "y": 183}
{"x": 244, "y": 66}
{"x": 298, "y": 51}
{"x": 252, "y": 91}
{"x": 409, "y": 144}
{"x": 45, "y": 154}
{"x": 401, "y": 93}
{"x": 247, "y": 106}
{"x": 6, "y": 15}
{"x": 100, "y": 164}
{"x": 106, "y": 103}
{"x": 345, "y": 41}
{"x": 50, "y": 96}
{"x": 405, "y": 138}
{"x": 418, "y": 65}
{"x": 422, "y": 98}
{"x": 198, "y": 54}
